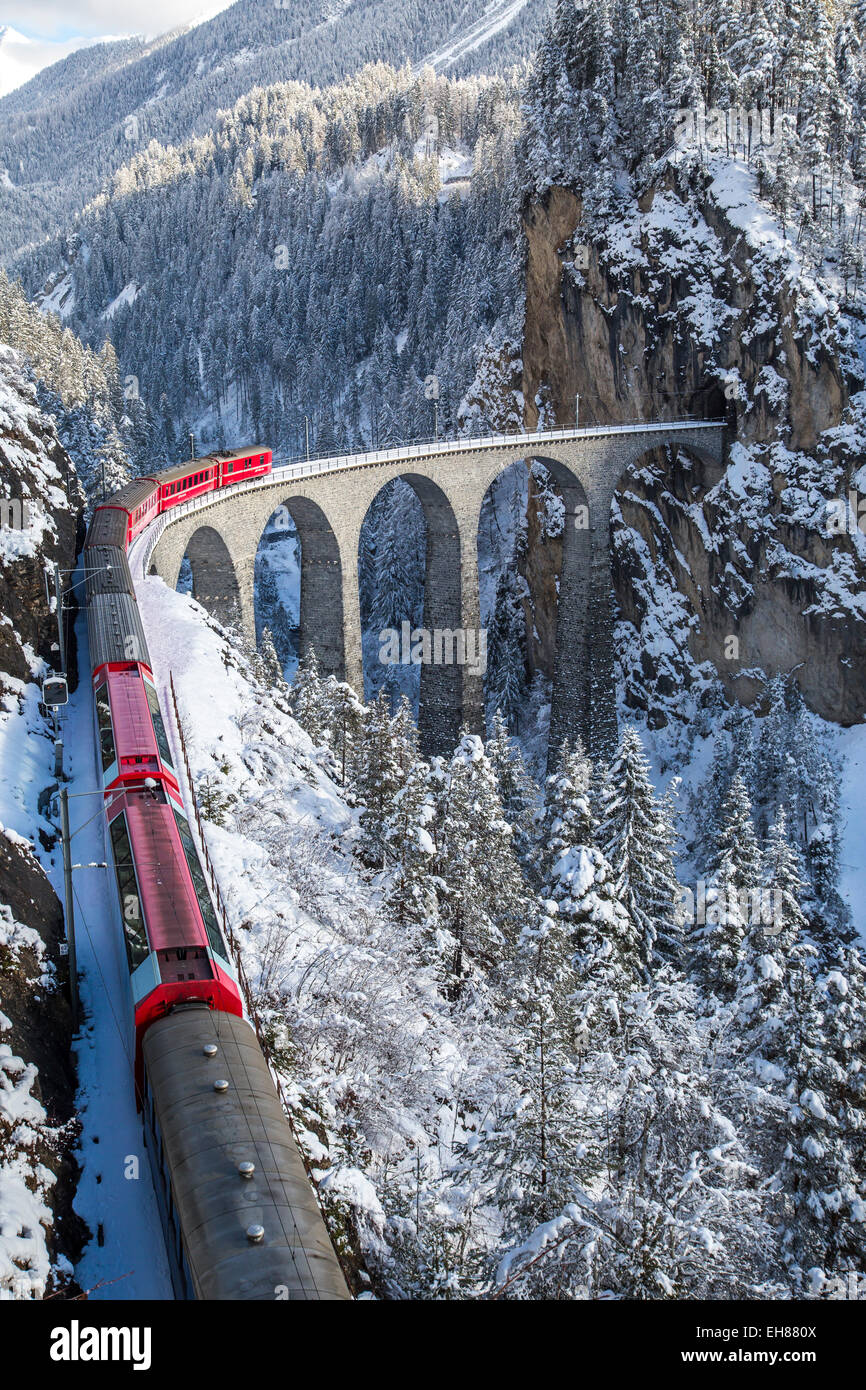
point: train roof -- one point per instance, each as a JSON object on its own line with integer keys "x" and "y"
{"x": 108, "y": 526}
{"x": 131, "y": 721}
{"x": 115, "y": 631}
{"x": 132, "y": 495}
{"x": 106, "y": 571}
{"x": 206, "y": 1134}
{"x": 172, "y": 916}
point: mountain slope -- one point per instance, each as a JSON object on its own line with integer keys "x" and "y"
{"x": 73, "y": 125}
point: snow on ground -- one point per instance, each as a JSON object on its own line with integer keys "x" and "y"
{"x": 127, "y": 297}
{"x": 498, "y": 15}
{"x": 61, "y": 299}
{"x": 131, "y": 1263}
{"x": 25, "y": 1182}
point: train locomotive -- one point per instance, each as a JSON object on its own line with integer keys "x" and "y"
{"x": 240, "y": 1215}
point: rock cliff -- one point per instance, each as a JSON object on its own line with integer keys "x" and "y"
{"x": 692, "y": 301}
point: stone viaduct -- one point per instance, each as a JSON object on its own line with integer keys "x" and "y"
{"x": 328, "y": 501}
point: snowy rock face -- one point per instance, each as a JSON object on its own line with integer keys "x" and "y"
{"x": 41, "y": 513}
{"x": 691, "y": 300}
{"x": 38, "y": 1230}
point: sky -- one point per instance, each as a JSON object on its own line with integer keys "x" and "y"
{"x": 62, "y": 20}
{"x": 47, "y": 30}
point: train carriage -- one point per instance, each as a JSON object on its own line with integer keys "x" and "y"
{"x": 125, "y": 515}
{"x": 174, "y": 945}
{"x": 106, "y": 571}
{"x": 115, "y": 631}
{"x": 242, "y": 1216}
{"x": 238, "y": 468}
{"x": 186, "y": 481}
{"x": 133, "y": 743}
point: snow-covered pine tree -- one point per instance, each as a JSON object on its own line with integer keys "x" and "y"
{"x": 567, "y": 819}
{"x": 823, "y": 851}
{"x": 517, "y": 791}
{"x": 536, "y": 1157}
{"x": 344, "y": 714}
{"x": 680, "y": 1213}
{"x": 734, "y": 868}
{"x": 273, "y": 672}
{"x": 411, "y": 897}
{"x": 308, "y": 699}
{"x": 405, "y": 734}
{"x": 637, "y": 836}
{"x": 795, "y": 1031}
{"x": 483, "y": 900}
{"x": 770, "y": 937}
{"x": 376, "y": 778}
{"x": 608, "y": 943}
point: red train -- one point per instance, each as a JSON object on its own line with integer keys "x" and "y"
{"x": 174, "y": 943}
{"x": 125, "y": 515}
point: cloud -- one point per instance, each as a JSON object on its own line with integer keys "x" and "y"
{"x": 21, "y": 58}
{"x": 66, "y": 20}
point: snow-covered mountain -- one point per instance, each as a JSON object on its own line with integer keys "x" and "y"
{"x": 70, "y": 127}
{"x": 38, "y": 1231}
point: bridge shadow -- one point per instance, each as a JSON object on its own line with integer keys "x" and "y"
{"x": 207, "y": 572}
{"x": 299, "y": 587}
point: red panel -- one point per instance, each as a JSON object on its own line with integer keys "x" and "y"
{"x": 149, "y": 512}
{"x": 134, "y": 739}
{"x": 130, "y": 715}
{"x": 236, "y": 470}
{"x": 168, "y": 499}
{"x": 168, "y": 898}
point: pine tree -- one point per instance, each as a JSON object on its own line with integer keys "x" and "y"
{"x": 307, "y": 698}
{"x": 376, "y": 778}
{"x": 344, "y": 716}
{"x": 537, "y": 1153}
{"x": 410, "y": 847}
{"x": 273, "y": 673}
{"x": 517, "y": 791}
{"x": 482, "y": 896}
{"x": 637, "y": 837}
{"x": 567, "y": 820}
{"x": 734, "y": 867}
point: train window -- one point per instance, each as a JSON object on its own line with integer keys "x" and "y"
{"x": 262, "y": 459}
{"x": 137, "y": 949}
{"x": 214, "y": 935}
{"x": 106, "y": 735}
{"x": 158, "y": 725}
